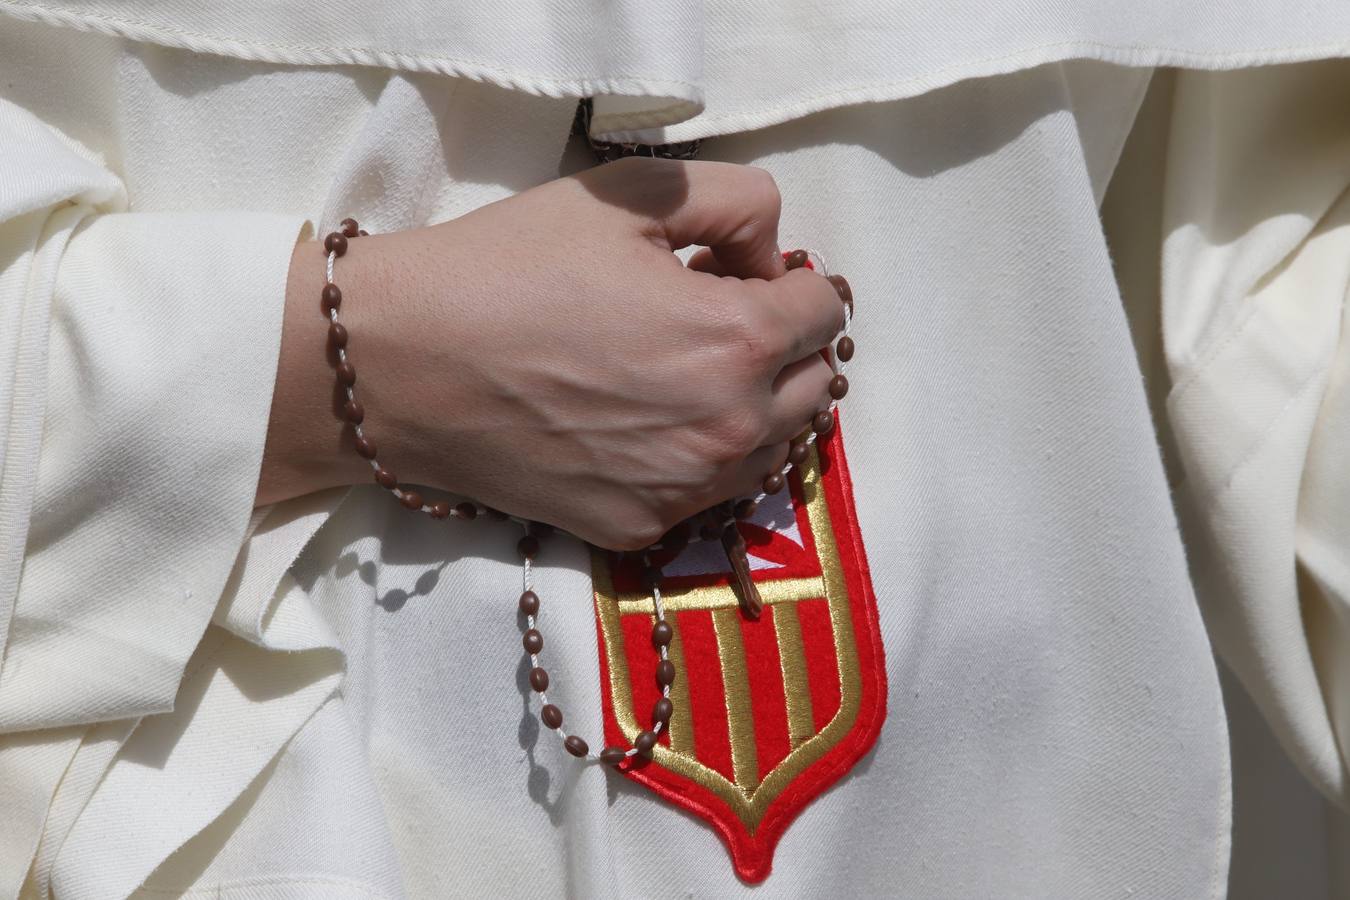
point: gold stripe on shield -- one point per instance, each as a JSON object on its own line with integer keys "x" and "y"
{"x": 796, "y": 687}
{"x": 736, "y": 687}
{"x": 719, "y": 596}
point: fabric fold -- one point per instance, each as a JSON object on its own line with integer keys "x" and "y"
{"x": 649, "y": 54}
{"x": 682, "y": 70}
{"x": 1255, "y": 267}
{"x": 92, "y": 758}
{"x": 269, "y": 659}
{"x": 231, "y": 679}
{"x": 145, "y": 394}
{"x": 277, "y": 534}
{"x": 322, "y": 777}
{"x": 180, "y": 770}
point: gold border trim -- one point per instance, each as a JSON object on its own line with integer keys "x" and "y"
{"x": 750, "y": 805}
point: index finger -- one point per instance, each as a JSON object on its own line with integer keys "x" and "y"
{"x": 800, "y": 311}
{"x": 733, "y": 210}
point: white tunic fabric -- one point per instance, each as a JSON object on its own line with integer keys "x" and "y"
{"x": 324, "y": 698}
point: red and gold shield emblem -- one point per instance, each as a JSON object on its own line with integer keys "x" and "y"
{"x": 769, "y": 712}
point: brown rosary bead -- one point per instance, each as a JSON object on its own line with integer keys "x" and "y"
{"x": 612, "y": 756}
{"x": 528, "y": 546}
{"x": 411, "y": 499}
{"x": 662, "y": 634}
{"x": 823, "y": 422}
{"x": 843, "y": 290}
{"x": 796, "y": 259}
{"x": 552, "y": 716}
{"x": 336, "y": 243}
{"x": 466, "y": 511}
{"x": 576, "y": 746}
{"x": 844, "y": 349}
{"x": 539, "y": 679}
{"x": 662, "y": 710}
{"x": 354, "y": 411}
{"x": 645, "y": 742}
{"x": 440, "y": 510}
{"x": 365, "y": 447}
{"x": 533, "y": 641}
{"x": 665, "y": 673}
{"x": 797, "y": 455}
{"x": 332, "y": 297}
{"x": 746, "y": 508}
{"x": 774, "y": 483}
{"x": 350, "y": 228}
{"x": 529, "y": 603}
{"x": 838, "y": 387}
{"x": 337, "y": 334}
{"x": 346, "y": 373}
{"x": 385, "y": 478}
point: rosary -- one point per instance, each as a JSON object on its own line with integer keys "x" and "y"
{"x": 716, "y": 524}
{"x": 720, "y": 523}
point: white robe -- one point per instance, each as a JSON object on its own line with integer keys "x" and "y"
{"x": 321, "y": 698}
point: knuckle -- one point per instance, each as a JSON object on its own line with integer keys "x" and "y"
{"x": 765, "y": 187}
{"x": 734, "y": 435}
{"x": 751, "y": 341}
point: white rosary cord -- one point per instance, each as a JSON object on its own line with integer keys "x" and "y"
{"x": 472, "y": 509}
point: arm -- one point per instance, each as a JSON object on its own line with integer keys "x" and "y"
{"x": 549, "y": 356}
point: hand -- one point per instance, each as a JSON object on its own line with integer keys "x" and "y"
{"x": 548, "y": 354}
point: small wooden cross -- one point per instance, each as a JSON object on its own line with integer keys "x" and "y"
{"x": 733, "y": 542}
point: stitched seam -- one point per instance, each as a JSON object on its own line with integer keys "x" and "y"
{"x": 938, "y": 75}
{"x": 264, "y": 881}
{"x": 76, "y": 18}
{"x": 1206, "y": 359}
{"x": 1265, "y": 435}
{"x": 121, "y": 26}
{"x": 650, "y": 118}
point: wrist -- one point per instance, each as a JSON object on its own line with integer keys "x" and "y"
{"x": 307, "y": 447}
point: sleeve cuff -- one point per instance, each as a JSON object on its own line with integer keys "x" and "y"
{"x": 165, "y": 334}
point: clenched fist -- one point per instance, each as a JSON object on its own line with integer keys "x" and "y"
{"x": 550, "y": 356}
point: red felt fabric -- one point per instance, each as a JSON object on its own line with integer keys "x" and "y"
{"x": 752, "y": 852}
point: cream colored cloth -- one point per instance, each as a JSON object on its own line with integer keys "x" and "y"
{"x": 319, "y": 700}
{"x": 1256, "y": 266}
{"x": 1230, "y": 221}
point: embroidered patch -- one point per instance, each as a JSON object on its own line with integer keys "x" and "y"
{"x": 768, "y": 713}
